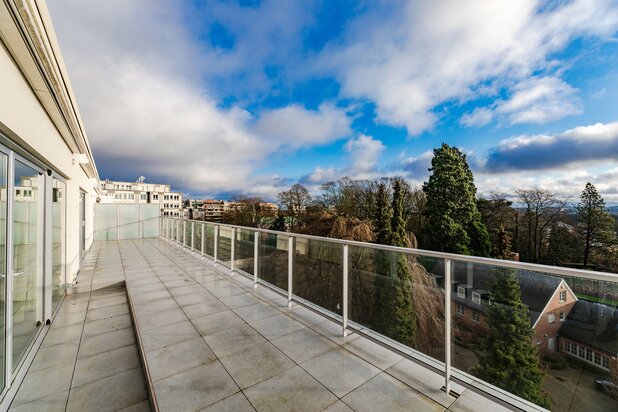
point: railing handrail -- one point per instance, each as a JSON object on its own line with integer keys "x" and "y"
{"x": 510, "y": 264}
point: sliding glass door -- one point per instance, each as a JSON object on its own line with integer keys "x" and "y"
{"x": 27, "y": 210}
{"x": 58, "y": 246}
{"x": 4, "y": 165}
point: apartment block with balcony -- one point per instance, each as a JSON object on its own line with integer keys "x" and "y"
{"x": 140, "y": 192}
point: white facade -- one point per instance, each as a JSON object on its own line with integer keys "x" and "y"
{"x": 48, "y": 183}
{"x": 169, "y": 202}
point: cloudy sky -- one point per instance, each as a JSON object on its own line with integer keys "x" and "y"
{"x": 222, "y": 97}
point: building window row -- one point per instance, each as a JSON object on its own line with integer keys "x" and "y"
{"x": 586, "y": 354}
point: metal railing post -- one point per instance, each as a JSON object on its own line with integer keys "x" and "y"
{"x": 184, "y": 232}
{"x": 232, "y": 247}
{"x": 202, "y": 246}
{"x": 177, "y": 231}
{"x": 256, "y": 239}
{"x": 215, "y": 250}
{"x": 192, "y": 236}
{"x": 345, "y": 291}
{"x": 447, "y": 325}
{"x": 290, "y": 268}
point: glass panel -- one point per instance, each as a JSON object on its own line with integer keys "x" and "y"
{"x": 150, "y": 220}
{"x": 399, "y": 296}
{"x": 318, "y": 273}
{"x": 243, "y": 251}
{"x": 558, "y": 330}
{"x": 58, "y": 241}
{"x": 197, "y": 237}
{"x": 209, "y": 241}
{"x": 128, "y": 222}
{"x": 105, "y": 222}
{"x": 224, "y": 246}
{"x": 3, "y": 219}
{"x": 27, "y": 258}
{"x": 188, "y": 233}
{"x": 273, "y": 259}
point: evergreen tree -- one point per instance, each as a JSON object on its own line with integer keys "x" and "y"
{"x": 453, "y": 220}
{"x": 506, "y": 356}
{"x": 595, "y": 225}
{"x": 382, "y": 219}
{"x": 398, "y": 222}
{"x": 503, "y": 244}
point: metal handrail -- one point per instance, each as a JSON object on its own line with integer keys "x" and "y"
{"x": 535, "y": 267}
{"x": 450, "y": 374}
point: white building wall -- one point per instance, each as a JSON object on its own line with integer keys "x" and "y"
{"x": 26, "y": 122}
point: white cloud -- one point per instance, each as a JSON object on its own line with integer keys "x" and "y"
{"x": 410, "y": 59}
{"x": 138, "y": 76}
{"x": 365, "y": 153}
{"x": 294, "y": 126}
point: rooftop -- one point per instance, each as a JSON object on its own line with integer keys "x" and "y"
{"x": 208, "y": 339}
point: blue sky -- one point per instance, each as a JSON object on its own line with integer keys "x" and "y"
{"x": 223, "y": 97}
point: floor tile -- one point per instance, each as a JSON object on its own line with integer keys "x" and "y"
{"x": 185, "y": 390}
{"x": 55, "y": 402}
{"x": 385, "y": 393}
{"x": 233, "y": 340}
{"x": 168, "y": 335}
{"x": 97, "y": 327}
{"x": 93, "y": 345}
{"x": 291, "y": 390}
{"x": 158, "y": 319}
{"x": 373, "y": 353}
{"x": 256, "y": 312}
{"x": 178, "y": 357}
{"x": 51, "y": 356}
{"x": 275, "y": 326}
{"x": 235, "y": 403}
{"x": 104, "y": 365}
{"x": 110, "y": 394}
{"x": 45, "y": 382}
{"x": 340, "y": 371}
{"x": 256, "y": 364}
{"x": 204, "y": 309}
{"x": 303, "y": 344}
{"x": 107, "y": 312}
{"x": 207, "y": 325}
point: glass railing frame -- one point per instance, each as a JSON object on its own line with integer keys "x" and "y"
{"x": 450, "y": 374}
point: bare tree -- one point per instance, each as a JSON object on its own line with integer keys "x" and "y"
{"x": 295, "y": 201}
{"x": 541, "y": 209}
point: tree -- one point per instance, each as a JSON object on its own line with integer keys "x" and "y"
{"x": 453, "y": 222}
{"x": 595, "y": 224}
{"x": 295, "y": 200}
{"x": 541, "y": 210}
{"x": 382, "y": 218}
{"x": 506, "y": 356}
{"x": 503, "y": 244}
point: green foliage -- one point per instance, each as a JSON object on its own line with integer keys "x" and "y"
{"x": 383, "y": 215}
{"x": 595, "y": 225}
{"x": 503, "y": 244}
{"x": 398, "y": 221}
{"x": 506, "y": 356}
{"x": 453, "y": 221}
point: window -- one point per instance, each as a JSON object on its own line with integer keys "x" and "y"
{"x": 131, "y": 196}
{"x": 461, "y": 292}
{"x": 118, "y": 196}
{"x": 155, "y": 197}
{"x": 476, "y": 316}
{"x": 551, "y": 318}
{"x": 551, "y": 344}
{"x": 460, "y": 310}
{"x": 597, "y": 358}
{"x": 588, "y": 355}
{"x": 605, "y": 362}
{"x": 561, "y": 316}
{"x": 563, "y": 296}
{"x": 581, "y": 352}
{"x": 143, "y": 196}
{"x": 476, "y": 298}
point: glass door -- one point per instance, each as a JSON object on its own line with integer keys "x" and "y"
{"x": 27, "y": 276}
{"x": 58, "y": 247}
{"x": 82, "y": 224}
{"x": 4, "y": 162}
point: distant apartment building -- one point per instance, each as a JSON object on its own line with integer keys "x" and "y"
{"x": 213, "y": 210}
{"x": 139, "y": 192}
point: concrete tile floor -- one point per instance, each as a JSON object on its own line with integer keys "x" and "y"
{"x": 212, "y": 342}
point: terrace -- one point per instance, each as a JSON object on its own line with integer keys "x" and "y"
{"x": 240, "y": 325}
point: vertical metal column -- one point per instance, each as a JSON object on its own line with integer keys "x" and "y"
{"x": 214, "y": 257}
{"x": 202, "y": 247}
{"x": 232, "y": 247}
{"x": 256, "y": 239}
{"x": 192, "y": 236}
{"x": 177, "y": 230}
{"x": 345, "y": 291}
{"x": 290, "y": 268}
{"x": 447, "y": 325}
